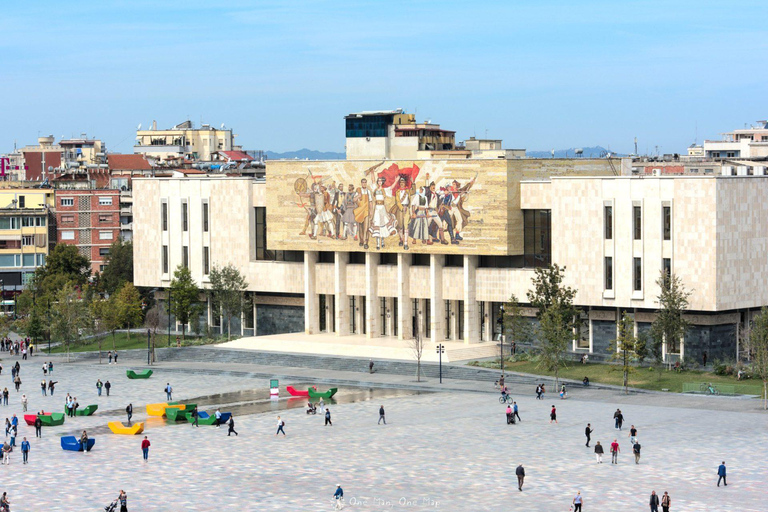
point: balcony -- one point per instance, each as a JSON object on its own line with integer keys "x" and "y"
{"x": 168, "y": 148}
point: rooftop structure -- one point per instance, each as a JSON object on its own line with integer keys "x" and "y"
{"x": 184, "y": 141}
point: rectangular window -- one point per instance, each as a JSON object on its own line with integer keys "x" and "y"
{"x": 184, "y": 216}
{"x": 164, "y": 215}
{"x": 22, "y": 202}
{"x": 15, "y": 222}
{"x": 608, "y": 222}
{"x": 105, "y": 201}
{"x": 105, "y": 217}
{"x": 40, "y": 259}
{"x": 28, "y": 240}
{"x": 67, "y": 235}
{"x": 27, "y": 222}
{"x": 165, "y": 259}
{"x": 28, "y": 260}
{"x": 666, "y": 266}
{"x": 537, "y": 241}
{"x": 103, "y": 251}
{"x": 261, "y": 234}
{"x": 40, "y": 221}
{"x": 67, "y": 219}
{"x": 105, "y": 235}
{"x": 185, "y": 256}
{"x": 637, "y": 222}
{"x": 67, "y": 201}
{"x": 666, "y": 215}
{"x": 637, "y": 274}
{"x": 608, "y": 273}
{"x": 205, "y": 217}
{"x": 206, "y": 264}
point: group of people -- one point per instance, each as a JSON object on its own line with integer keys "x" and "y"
{"x": 18, "y": 347}
{"x": 71, "y": 404}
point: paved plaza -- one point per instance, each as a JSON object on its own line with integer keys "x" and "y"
{"x": 445, "y": 451}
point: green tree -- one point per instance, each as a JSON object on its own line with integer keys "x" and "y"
{"x": 66, "y": 260}
{"x": 184, "y": 297}
{"x": 70, "y": 316}
{"x": 128, "y": 306}
{"x": 227, "y": 288}
{"x": 625, "y": 347}
{"x": 516, "y": 327}
{"x": 670, "y": 325}
{"x": 759, "y": 348}
{"x": 155, "y": 319}
{"x": 558, "y": 317}
{"x": 118, "y": 268}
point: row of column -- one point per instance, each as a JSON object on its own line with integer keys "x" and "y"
{"x": 405, "y": 313}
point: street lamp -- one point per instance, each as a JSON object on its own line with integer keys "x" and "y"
{"x": 500, "y": 321}
{"x": 440, "y": 351}
{"x": 149, "y": 333}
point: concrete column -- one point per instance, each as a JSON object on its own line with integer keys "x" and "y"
{"x": 488, "y": 321}
{"x": 437, "y": 306}
{"x": 372, "y": 304}
{"x": 391, "y": 316}
{"x": 359, "y": 316}
{"x": 404, "y": 302}
{"x": 255, "y": 316}
{"x": 329, "y": 313}
{"x": 341, "y": 306}
{"x": 311, "y": 302}
{"x": 454, "y": 320}
{"x": 471, "y": 306}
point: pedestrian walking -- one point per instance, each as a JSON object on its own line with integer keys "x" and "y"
{"x": 145, "y": 444}
{"x": 99, "y": 385}
{"x": 328, "y": 417}
{"x": 370, "y": 366}
{"x": 381, "y": 416}
{"x": 50, "y": 367}
{"x": 123, "y": 499}
{"x": 24, "y": 403}
{"x": 43, "y": 387}
{"x": 45, "y": 368}
{"x": 107, "y": 387}
{"x": 129, "y": 412}
{"x": 280, "y": 425}
{"x": 515, "y": 414}
{"x": 231, "y": 426}
{"x": 217, "y": 415}
{"x": 577, "y": 502}
{"x": 115, "y": 356}
{"x": 654, "y": 502}
{"x": 666, "y": 502}
{"x": 588, "y": 432}
{"x": 6, "y": 453}
{"x": 14, "y": 431}
{"x": 339, "y": 497}
{"x": 636, "y": 450}
{"x": 321, "y": 405}
{"x": 553, "y": 414}
{"x": 632, "y": 434}
{"x": 196, "y": 416}
{"x": 618, "y": 419}
{"x": 520, "y": 472}
{"x": 721, "y": 474}
{"x": 563, "y": 392}
{"x": 17, "y": 382}
{"x": 109, "y": 354}
{"x": 52, "y": 385}
{"x": 24, "y": 450}
{"x": 615, "y": 452}
{"x": 38, "y": 426}
{"x": 509, "y": 414}
{"x": 168, "y": 392}
{"x": 538, "y": 392}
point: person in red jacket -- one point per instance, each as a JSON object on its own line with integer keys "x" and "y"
{"x": 145, "y": 444}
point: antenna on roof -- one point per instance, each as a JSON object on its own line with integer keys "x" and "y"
{"x": 138, "y": 127}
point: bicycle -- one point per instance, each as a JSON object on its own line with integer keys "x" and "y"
{"x": 505, "y": 399}
{"x": 712, "y": 390}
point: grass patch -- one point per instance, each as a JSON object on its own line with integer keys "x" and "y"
{"x": 123, "y": 342}
{"x": 643, "y": 378}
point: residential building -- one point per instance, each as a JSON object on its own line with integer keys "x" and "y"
{"x": 122, "y": 169}
{"x": 42, "y": 160}
{"x": 746, "y": 143}
{"x": 24, "y": 238}
{"x": 491, "y": 148}
{"x": 184, "y": 141}
{"x": 90, "y": 220}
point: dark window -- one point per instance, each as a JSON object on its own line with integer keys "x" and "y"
{"x": 352, "y": 314}
{"x": 394, "y": 316}
{"x": 667, "y": 221}
{"x": 205, "y": 217}
{"x": 326, "y": 257}
{"x": 537, "y": 242}
{"x": 165, "y": 259}
{"x": 184, "y": 216}
{"x": 420, "y": 260}
{"x": 383, "y": 314}
{"x": 666, "y": 266}
{"x": 165, "y": 216}
{"x": 388, "y": 258}
{"x": 637, "y": 222}
{"x": 460, "y": 313}
{"x": 637, "y": 274}
{"x": 502, "y": 261}
{"x": 357, "y": 258}
{"x": 454, "y": 260}
{"x": 206, "y": 263}
{"x": 608, "y": 222}
{"x": 22, "y": 202}
{"x": 608, "y": 273}
{"x": 103, "y": 251}
{"x": 448, "y": 319}
{"x": 185, "y": 256}
{"x": 368, "y": 126}
{"x": 260, "y": 232}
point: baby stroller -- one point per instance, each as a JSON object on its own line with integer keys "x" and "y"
{"x": 111, "y": 507}
{"x": 311, "y": 408}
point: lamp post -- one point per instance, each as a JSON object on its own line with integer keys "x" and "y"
{"x": 149, "y": 333}
{"x": 440, "y": 351}
{"x": 500, "y": 321}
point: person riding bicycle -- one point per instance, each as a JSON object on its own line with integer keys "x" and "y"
{"x": 505, "y": 392}
{"x": 711, "y": 389}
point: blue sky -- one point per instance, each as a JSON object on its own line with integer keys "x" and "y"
{"x": 540, "y": 75}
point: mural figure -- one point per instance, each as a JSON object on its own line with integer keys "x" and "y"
{"x": 402, "y": 210}
{"x": 363, "y": 213}
{"x": 383, "y": 223}
{"x": 418, "y": 227}
{"x": 349, "y": 203}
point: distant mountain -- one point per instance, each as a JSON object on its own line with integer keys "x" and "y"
{"x": 305, "y": 154}
{"x": 593, "y": 152}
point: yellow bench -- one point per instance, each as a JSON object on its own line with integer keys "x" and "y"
{"x": 118, "y": 428}
{"x": 159, "y": 409}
